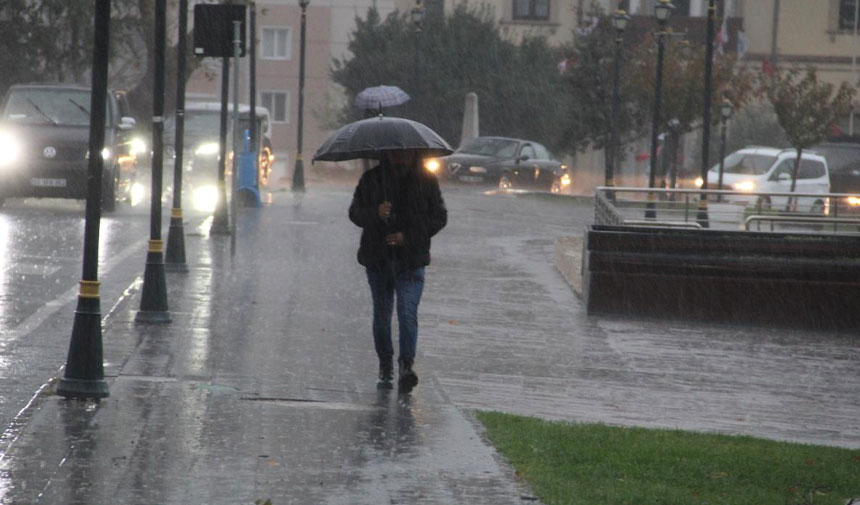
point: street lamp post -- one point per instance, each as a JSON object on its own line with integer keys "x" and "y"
{"x": 726, "y": 110}
{"x": 153, "y": 297}
{"x": 661, "y": 11}
{"x": 619, "y": 22}
{"x": 417, "y": 15}
{"x": 84, "y": 375}
{"x": 702, "y": 214}
{"x": 299, "y": 172}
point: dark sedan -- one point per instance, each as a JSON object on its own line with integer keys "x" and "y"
{"x": 506, "y": 162}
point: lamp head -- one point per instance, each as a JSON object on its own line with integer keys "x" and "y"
{"x": 304, "y": 3}
{"x": 620, "y": 20}
{"x": 662, "y": 10}
{"x": 726, "y": 109}
{"x": 417, "y": 13}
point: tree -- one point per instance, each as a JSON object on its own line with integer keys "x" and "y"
{"x": 806, "y": 109}
{"x": 518, "y": 85}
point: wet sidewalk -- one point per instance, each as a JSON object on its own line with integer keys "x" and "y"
{"x": 263, "y": 386}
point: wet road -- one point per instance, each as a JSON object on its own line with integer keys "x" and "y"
{"x": 264, "y": 384}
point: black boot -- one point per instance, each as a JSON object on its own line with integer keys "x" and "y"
{"x": 408, "y": 378}
{"x": 386, "y": 369}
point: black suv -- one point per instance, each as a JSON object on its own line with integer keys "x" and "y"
{"x": 44, "y": 144}
{"x": 843, "y": 158}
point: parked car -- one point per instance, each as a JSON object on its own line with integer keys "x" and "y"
{"x": 769, "y": 170}
{"x": 843, "y": 161}
{"x": 44, "y": 144}
{"x": 506, "y": 162}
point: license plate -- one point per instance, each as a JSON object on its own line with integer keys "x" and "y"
{"x": 50, "y": 183}
{"x": 470, "y": 178}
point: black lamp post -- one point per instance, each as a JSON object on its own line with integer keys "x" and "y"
{"x": 619, "y": 22}
{"x": 174, "y": 259}
{"x": 153, "y": 297}
{"x": 417, "y": 15}
{"x": 84, "y": 375}
{"x": 726, "y": 110}
{"x": 702, "y": 214}
{"x": 299, "y": 172}
{"x": 661, "y": 11}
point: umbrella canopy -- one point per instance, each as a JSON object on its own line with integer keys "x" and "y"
{"x": 378, "y": 97}
{"x": 369, "y": 138}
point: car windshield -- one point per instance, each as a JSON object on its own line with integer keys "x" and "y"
{"x": 68, "y": 107}
{"x": 200, "y": 124}
{"x": 501, "y": 148}
{"x": 746, "y": 163}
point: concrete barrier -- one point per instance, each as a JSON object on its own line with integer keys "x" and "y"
{"x": 785, "y": 279}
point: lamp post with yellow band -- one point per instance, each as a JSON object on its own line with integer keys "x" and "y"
{"x": 175, "y": 255}
{"x": 153, "y": 298}
{"x": 84, "y": 376}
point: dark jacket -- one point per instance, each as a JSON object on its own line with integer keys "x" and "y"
{"x": 418, "y": 211}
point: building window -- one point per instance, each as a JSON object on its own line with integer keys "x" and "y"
{"x": 532, "y": 10}
{"x": 277, "y": 102}
{"x": 846, "y": 14}
{"x": 276, "y": 43}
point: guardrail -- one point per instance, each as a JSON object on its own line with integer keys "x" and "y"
{"x": 727, "y": 209}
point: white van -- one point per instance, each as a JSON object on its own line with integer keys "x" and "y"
{"x": 768, "y": 170}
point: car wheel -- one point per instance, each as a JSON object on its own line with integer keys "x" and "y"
{"x": 109, "y": 192}
{"x": 505, "y": 182}
{"x": 763, "y": 203}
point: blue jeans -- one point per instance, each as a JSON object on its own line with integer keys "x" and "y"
{"x": 407, "y": 285}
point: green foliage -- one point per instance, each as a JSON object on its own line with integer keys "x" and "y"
{"x": 46, "y": 40}
{"x": 519, "y": 88}
{"x": 589, "y": 464}
{"x": 806, "y": 108}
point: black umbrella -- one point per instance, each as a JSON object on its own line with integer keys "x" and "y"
{"x": 369, "y": 138}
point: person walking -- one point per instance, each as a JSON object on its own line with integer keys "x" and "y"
{"x": 399, "y": 207}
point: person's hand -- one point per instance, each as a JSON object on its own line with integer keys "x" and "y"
{"x": 385, "y": 210}
{"x": 395, "y": 239}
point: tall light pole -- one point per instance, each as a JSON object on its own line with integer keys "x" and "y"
{"x": 299, "y": 172}
{"x": 619, "y": 22}
{"x": 417, "y": 15}
{"x": 726, "y": 110}
{"x": 661, "y": 11}
{"x": 174, "y": 259}
{"x": 153, "y": 297}
{"x": 84, "y": 375}
{"x": 702, "y": 214}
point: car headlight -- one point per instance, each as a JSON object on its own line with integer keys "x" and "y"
{"x": 699, "y": 182}
{"x": 138, "y": 146}
{"x": 204, "y": 198}
{"x": 432, "y": 165}
{"x": 10, "y": 149}
{"x": 565, "y": 180}
{"x": 478, "y": 170}
{"x": 106, "y": 154}
{"x": 747, "y": 186}
{"x": 854, "y": 201}
{"x": 207, "y": 149}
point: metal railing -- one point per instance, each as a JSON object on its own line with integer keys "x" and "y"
{"x": 728, "y": 209}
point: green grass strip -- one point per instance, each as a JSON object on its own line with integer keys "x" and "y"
{"x": 593, "y": 464}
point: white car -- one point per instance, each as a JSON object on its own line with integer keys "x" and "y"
{"x": 768, "y": 170}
